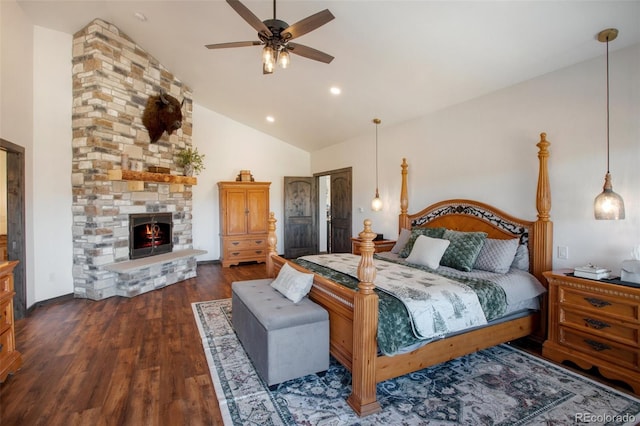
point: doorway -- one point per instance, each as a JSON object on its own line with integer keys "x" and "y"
{"x": 14, "y": 215}
{"x": 317, "y": 213}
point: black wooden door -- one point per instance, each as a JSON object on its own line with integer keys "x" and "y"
{"x": 341, "y": 211}
{"x": 300, "y": 216}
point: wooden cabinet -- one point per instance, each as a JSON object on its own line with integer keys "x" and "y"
{"x": 244, "y": 214}
{"x": 10, "y": 358}
{"x": 380, "y": 245}
{"x": 595, "y": 324}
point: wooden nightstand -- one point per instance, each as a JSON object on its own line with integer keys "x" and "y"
{"x": 380, "y": 245}
{"x": 10, "y": 358}
{"x": 594, "y": 324}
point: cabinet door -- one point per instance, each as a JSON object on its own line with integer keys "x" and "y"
{"x": 258, "y": 211}
{"x": 236, "y": 211}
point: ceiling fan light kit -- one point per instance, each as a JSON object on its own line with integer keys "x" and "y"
{"x": 275, "y": 35}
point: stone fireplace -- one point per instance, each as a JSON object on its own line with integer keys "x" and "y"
{"x": 112, "y": 184}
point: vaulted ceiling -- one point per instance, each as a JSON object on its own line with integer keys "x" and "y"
{"x": 394, "y": 59}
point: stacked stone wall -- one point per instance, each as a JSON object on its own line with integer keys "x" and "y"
{"x": 112, "y": 80}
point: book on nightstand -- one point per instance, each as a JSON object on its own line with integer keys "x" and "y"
{"x": 591, "y": 271}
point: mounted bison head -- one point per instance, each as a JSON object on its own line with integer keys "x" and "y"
{"x": 162, "y": 113}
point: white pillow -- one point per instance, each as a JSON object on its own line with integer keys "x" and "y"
{"x": 293, "y": 284}
{"x": 402, "y": 241}
{"x": 428, "y": 251}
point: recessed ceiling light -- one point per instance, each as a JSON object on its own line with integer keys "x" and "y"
{"x": 270, "y": 119}
{"x": 335, "y": 90}
{"x": 140, "y": 16}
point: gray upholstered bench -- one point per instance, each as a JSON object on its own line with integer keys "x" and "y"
{"x": 284, "y": 340}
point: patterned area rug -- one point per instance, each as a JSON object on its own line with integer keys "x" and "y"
{"x": 497, "y": 386}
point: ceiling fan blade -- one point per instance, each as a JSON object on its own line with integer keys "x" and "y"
{"x": 306, "y": 25}
{"x": 233, "y": 44}
{"x": 309, "y": 52}
{"x": 248, "y": 16}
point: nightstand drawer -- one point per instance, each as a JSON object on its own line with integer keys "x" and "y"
{"x": 6, "y": 315}
{"x": 601, "y": 326}
{"x": 6, "y": 284}
{"x": 598, "y": 347}
{"x": 602, "y": 304}
{"x": 6, "y": 344}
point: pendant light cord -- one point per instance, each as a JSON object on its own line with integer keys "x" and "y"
{"x": 376, "y": 157}
{"x": 607, "y": 104}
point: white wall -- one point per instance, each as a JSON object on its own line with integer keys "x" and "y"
{"x": 16, "y": 108}
{"x": 230, "y": 147}
{"x": 52, "y": 136}
{"x": 485, "y": 150}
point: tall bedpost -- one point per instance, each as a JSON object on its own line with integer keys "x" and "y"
{"x": 365, "y": 325}
{"x": 543, "y": 227}
{"x": 542, "y": 242}
{"x": 272, "y": 242}
{"x": 404, "y": 199}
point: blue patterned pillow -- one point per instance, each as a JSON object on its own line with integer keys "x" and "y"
{"x": 415, "y": 233}
{"x": 463, "y": 250}
{"x": 497, "y": 255}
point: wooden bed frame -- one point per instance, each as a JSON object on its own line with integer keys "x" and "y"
{"x": 353, "y": 316}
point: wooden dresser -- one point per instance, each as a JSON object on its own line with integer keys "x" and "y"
{"x": 244, "y": 214}
{"x": 380, "y": 245}
{"x": 10, "y": 358}
{"x": 594, "y": 324}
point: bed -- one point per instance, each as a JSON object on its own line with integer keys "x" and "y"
{"x": 354, "y": 315}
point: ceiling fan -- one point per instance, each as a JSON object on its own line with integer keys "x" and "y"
{"x": 276, "y": 35}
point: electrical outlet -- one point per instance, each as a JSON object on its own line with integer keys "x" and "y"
{"x": 563, "y": 252}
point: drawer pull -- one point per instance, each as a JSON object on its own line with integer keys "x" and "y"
{"x": 235, "y": 243}
{"x": 1, "y": 347}
{"x": 258, "y": 241}
{"x": 597, "y": 346}
{"x": 258, "y": 251}
{"x": 235, "y": 253}
{"x": 598, "y": 303}
{"x": 597, "y": 324}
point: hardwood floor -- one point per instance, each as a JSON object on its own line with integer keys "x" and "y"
{"x": 119, "y": 361}
{"x": 122, "y": 361}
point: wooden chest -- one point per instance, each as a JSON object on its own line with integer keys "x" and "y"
{"x": 595, "y": 324}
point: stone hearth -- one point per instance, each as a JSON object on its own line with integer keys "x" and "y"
{"x": 112, "y": 80}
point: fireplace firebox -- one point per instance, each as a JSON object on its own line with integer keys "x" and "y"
{"x": 150, "y": 234}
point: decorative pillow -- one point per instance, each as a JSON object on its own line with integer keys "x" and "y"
{"x": 463, "y": 250}
{"x": 428, "y": 251}
{"x": 402, "y": 240}
{"x": 521, "y": 260}
{"x": 497, "y": 255}
{"x": 293, "y": 284}
{"x": 415, "y": 233}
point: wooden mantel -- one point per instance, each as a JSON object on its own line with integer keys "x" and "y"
{"x": 136, "y": 180}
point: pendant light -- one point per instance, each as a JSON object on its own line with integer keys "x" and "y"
{"x": 376, "y": 203}
{"x": 608, "y": 205}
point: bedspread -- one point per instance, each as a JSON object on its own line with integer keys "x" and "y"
{"x": 415, "y": 305}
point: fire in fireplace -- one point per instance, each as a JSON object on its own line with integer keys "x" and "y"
{"x": 150, "y": 234}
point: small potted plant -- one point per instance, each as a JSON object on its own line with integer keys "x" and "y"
{"x": 191, "y": 160}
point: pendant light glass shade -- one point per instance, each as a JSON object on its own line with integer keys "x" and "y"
{"x": 608, "y": 205}
{"x": 376, "y": 203}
